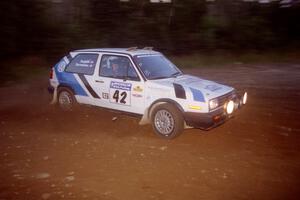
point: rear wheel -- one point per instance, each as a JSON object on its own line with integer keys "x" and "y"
{"x": 66, "y": 99}
{"x": 167, "y": 121}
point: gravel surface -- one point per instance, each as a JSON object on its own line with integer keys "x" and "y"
{"x": 48, "y": 154}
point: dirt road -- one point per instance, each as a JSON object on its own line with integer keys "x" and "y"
{"x": 48, "y": 154}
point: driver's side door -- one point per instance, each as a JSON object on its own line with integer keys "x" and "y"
{"x": 121, "y": 87}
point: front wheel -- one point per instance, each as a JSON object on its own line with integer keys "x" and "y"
{"x": 167, "y": 121}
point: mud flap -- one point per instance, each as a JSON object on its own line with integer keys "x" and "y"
{"x": 187, "y": 126}
{"x": 54, "y": 98}
{"x": 145, "y": 119}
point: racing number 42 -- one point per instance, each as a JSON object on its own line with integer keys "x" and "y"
{"x": 120, "y": 96}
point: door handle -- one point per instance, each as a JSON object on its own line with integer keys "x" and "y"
{"x": 99, "y": 81}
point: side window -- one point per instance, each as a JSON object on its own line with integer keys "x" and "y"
{"x": 83, "y": 64}
{"x": 118, "y": 67}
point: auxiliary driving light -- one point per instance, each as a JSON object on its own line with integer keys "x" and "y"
{"x": 245, "y": 98}
{"x": 229, "y": 107}
{"x": 213, "y": 103}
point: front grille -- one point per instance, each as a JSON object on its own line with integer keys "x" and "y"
{"x": 225, "y": 98}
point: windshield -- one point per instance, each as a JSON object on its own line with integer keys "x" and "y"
{"x": 156, "y": 66}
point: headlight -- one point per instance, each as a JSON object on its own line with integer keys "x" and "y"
{"x": 230, "y": 107}
{"x": 213, "y": 104}
{"x": 245, "y": 98}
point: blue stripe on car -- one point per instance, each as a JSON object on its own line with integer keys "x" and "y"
{"x": 197, "y": 95}
{"x": 69, "y": 79}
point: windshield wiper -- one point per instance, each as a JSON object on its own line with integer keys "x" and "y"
{"x": 176, "y": 74}
{"x": 160, "y": 77}
{"x": 172, "y": 75}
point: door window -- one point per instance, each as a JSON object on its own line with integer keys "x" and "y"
{"x": 83, "y": 64}
{"x": 119, "y": 67}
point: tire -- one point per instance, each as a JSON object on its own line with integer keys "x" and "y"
{"x": 167, "y": 121}
{"x": 65, "y": 99}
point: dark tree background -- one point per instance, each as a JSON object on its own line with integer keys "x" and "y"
{"x": 54, "y": 27}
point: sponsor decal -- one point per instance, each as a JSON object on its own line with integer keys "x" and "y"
{"x": 195, "y": 107}
{"x": 105, "y": 95}
{"x": 120, "y": 85}
{"x": 120, "y": 93}
{"x": 138, "y": 89}
{"x": 137, "y": 95}
{"x": 85, "y": 63}
{"x": 61, "y": 66}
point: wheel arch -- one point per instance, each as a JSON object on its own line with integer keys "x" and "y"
{"x": 164, "y": 100}
{"x": 146, "y": 119}
{"x": 65, "y": 86}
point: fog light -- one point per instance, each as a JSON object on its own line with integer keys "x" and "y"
{"x": 216, "y": 118}
{"x": 245, "y": 98}
{"x": 229, "y": 107}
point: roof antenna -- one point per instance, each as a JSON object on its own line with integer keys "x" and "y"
{"x": 148, "y": 48}
{"x": 132, "y": 49}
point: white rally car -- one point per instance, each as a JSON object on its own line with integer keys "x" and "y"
{"x": 142, "y": 82}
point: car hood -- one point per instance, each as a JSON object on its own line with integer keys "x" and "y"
{"x": 209, "y": 89}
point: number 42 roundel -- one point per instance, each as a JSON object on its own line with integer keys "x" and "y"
{"x": 120, "y": 93}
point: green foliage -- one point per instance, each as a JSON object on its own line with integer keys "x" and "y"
{"x": 55, "y": 27}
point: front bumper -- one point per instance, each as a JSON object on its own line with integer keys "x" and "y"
{"x": 212, "y": 119}
{"x": 205, "y": 120}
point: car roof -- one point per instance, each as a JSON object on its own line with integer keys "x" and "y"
{"x": 129, "y": 51}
